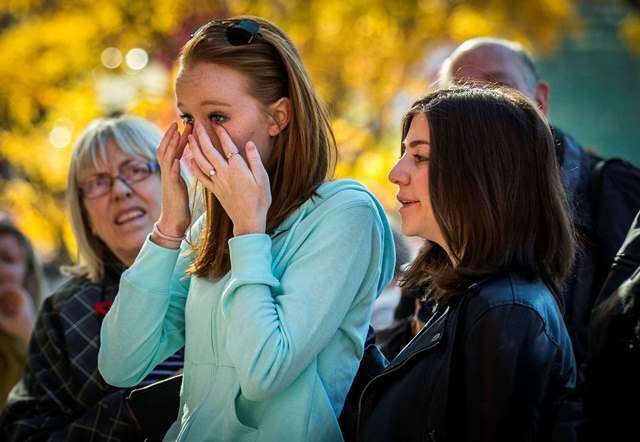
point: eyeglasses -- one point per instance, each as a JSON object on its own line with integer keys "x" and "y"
{"x": 238, "y": 32}
{"x": 101, "y": 184}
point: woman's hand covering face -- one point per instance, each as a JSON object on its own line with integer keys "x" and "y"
{"x": 242, "y": 187}
{"x": 175, "y": 216}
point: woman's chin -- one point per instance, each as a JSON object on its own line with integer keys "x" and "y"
{"x": 129, "y": 245}
{"x": 408, "y": 230}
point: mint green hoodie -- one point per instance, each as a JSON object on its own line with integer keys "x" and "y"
{"x": 272, "y": 347}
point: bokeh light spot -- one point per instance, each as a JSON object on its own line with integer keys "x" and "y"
{"x": 60, "y": 137}
{"x": 137, "y": 59}
{"x": 111, "y": 58}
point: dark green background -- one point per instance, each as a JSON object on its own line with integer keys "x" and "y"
{"x": 595, "y": 85}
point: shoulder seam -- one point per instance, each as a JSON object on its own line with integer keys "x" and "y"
{"x": 521, "y": 305}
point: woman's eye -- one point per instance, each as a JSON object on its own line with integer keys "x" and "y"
{"x": 7, "y": 259}
{"x": 186, "y": 119}
{"x": 420, "y": 158}
{"x": 217, "y": 118}
{"x": 137, "y": 170}
{"x": 102, "y": 180}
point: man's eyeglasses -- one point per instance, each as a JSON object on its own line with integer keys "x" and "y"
{"x": 238, "y": 32}
{"x": 129, "y": 173}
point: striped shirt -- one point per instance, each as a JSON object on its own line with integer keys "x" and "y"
{"x": 164, "y": 369}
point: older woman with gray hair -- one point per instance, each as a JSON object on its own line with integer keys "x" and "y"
{"x": 114, "y": 198}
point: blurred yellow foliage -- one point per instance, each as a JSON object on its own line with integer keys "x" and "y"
{"x": 366, "y": 57}
{"x": 630, "y": 32}
{"x": 38, "y": 214}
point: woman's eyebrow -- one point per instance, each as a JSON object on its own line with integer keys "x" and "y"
{"x": 213, "y": 103}
{"x": 179, "y": 105}
{"x": 128, "y": 161}
{"x": 416, "y": 143}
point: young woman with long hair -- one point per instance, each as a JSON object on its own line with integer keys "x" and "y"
{"x": 272, "y": 295}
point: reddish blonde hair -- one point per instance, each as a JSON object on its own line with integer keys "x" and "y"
{"x": 304, "y": 152}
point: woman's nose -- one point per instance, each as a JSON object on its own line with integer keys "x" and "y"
{"x": 397, "y": 175}
{"x": 120, "y": 188}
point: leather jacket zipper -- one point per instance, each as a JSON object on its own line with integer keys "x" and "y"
{"x": 627, "y": 261}
{"x": 397, "y": 367}
{"x": 445, "y": 313}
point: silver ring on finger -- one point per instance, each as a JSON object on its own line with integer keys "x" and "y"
{"x": 230, "y": 154}
{"x": 211, "y": 173}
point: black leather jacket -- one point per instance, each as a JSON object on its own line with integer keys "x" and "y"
{"x": 492, "y": 365}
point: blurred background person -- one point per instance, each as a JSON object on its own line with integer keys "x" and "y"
{"x": 21, "y": 285}
{"x": 113, "y": 196}
{"x": 612, "y": 381}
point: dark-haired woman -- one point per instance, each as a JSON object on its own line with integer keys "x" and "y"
{"x": 478, "y": 179}
{"x": 272, "y": 306}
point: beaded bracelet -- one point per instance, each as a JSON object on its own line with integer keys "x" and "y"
{"x": 167, "y": 237}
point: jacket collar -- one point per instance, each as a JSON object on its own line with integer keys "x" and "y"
{"x": 433, "y": 332}
{"x": 570, "y": 158}
{"x": 430, "y": 336}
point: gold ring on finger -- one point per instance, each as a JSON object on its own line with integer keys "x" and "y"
{"x": 230, "y": 154}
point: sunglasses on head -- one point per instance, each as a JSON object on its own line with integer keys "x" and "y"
{"x": 238, "y": 32}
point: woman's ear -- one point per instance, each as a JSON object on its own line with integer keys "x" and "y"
{"x": 542, "y": 96}
{"x": 280, "y": 112}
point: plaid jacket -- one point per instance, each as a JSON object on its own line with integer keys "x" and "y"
{"x": 61, "y": 395}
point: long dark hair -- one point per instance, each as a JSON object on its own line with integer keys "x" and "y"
{"x": 495, "y": 190}
{"x": 304, "y": 152}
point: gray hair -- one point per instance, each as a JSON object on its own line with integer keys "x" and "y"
{"x": 526, "y": 60}
{"x": 133, "y": 136}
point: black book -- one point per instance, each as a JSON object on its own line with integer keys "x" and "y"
{"x": 156, "y": 406}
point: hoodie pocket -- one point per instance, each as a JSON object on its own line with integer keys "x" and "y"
{"x": 245, "y": 414}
